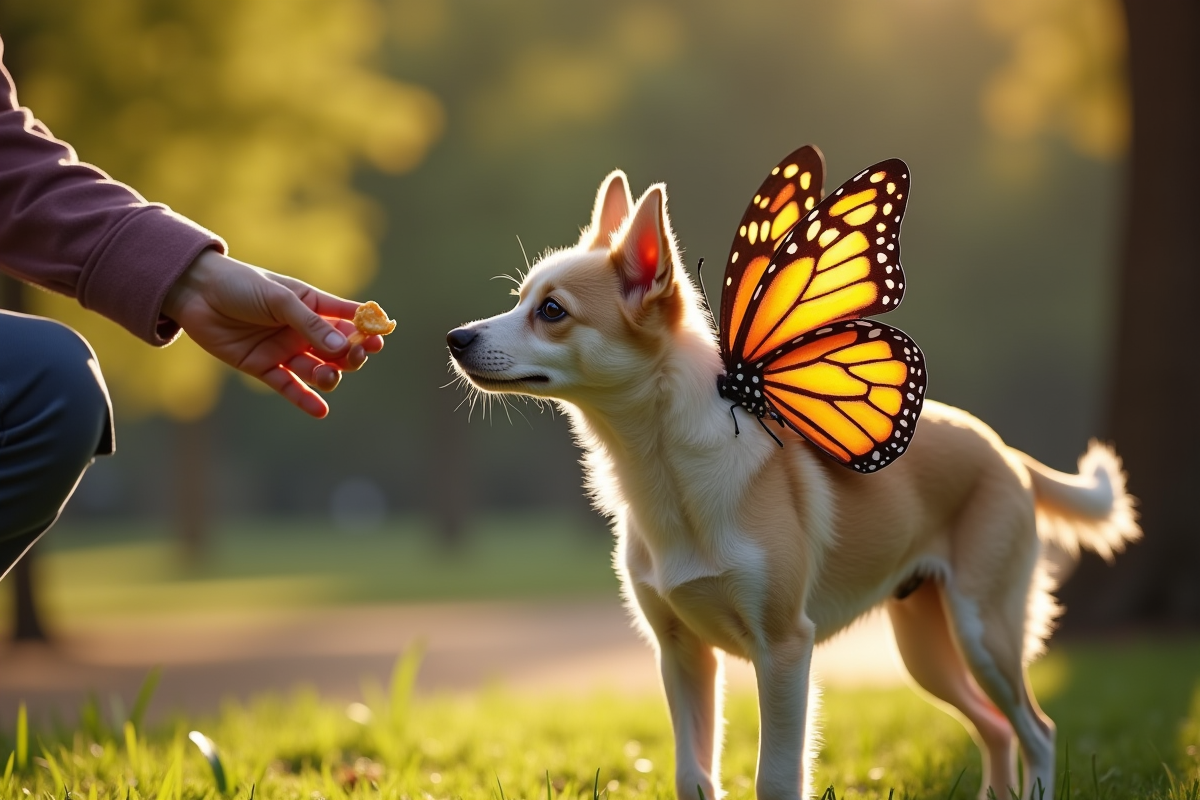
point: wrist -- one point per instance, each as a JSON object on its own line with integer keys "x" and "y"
{"x": 189, "y": 282}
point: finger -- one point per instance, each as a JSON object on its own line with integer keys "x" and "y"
{"x": 353, "y": 360}
{"x": 315, "y": 372}
{"x": 296, "y": 392}
{"x": 325, "y": 339}
{"x": 372, "y": 343}
{"x": 323, "y": 303}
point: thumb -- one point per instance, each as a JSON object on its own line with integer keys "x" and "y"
{"x": 320, "y": 333}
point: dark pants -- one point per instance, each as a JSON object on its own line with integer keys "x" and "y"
{"x": 55, "y": 418}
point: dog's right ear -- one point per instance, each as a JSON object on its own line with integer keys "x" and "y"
{"x": 613, "y": 202}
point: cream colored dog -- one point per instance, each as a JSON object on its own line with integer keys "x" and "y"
{"x": 732, "y": 544}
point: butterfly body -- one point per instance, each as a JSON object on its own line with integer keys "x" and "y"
{"x": 802, "y": 273}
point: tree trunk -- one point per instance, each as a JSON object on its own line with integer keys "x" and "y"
{"x": 1156, "y": 393}
{"x": 191, "y": 489}
{"x": 27, "y": 621}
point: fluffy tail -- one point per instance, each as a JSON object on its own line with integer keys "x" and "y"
{"x": 1090, "y": 510}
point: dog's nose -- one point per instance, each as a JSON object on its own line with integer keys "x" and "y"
{"x": 459, "y": 340}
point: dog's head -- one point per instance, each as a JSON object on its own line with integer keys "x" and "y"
{"x": 590, "y": 319}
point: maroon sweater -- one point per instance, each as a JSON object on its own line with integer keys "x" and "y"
{"x": 68, "y": 227}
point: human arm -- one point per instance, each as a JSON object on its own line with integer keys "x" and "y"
{"x": 68, "y": 227}
{"x": 274, "y": 328}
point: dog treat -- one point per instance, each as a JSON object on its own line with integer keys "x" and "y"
{"x": 371, "y": 320}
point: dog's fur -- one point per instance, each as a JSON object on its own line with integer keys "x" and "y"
{"x": 734, "y": 544}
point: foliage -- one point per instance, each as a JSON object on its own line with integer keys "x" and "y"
{"x": 1065, "y": 75}
{"x": 497, "y": 745}
{"x": 249, "y": 118}
{"x": 1009, "y": 268}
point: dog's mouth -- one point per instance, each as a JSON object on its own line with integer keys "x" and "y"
{"x": 488, "y": 382}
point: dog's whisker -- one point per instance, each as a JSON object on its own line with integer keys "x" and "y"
{"x": 525, "y": 256}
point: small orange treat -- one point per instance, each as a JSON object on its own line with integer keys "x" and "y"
{"x": 371, "y": 320}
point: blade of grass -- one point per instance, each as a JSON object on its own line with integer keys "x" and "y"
{"x": 8, "y": 768}
{"x": 131, "y": 745}
{"x": 52, "y": 765}
{"x": 404, "y": 677}
{"x": 208, "y": 748}
{"x": 549, "y": 791}
{"x": 957, "y": 780}
{"x": 170, "y": 783}
{"x": 22, "y": 738}
{"x": 145, "y": 693}
{"x": 596, "y": 786}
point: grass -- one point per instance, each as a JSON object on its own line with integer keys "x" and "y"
{"x": 1130, "y": 716}
{"x": 124, "y": 570}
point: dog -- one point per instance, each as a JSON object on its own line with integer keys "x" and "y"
{"x": 731, "y": 544}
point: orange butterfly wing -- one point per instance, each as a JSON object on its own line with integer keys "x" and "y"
{"x": 853, "y": 388}
{"x": 792, "y": 338}
{"x": 840, "y": 261}
{"x": 791, "y": 191}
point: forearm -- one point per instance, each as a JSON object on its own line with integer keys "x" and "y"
{"x": 70, "y": 228}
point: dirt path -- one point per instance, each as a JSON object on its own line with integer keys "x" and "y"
{"x": 567, "y": 646}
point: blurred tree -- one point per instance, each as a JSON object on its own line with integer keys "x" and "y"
{"x": 1068, "y": 75}
{"x": 1156, "y": 388}
{"x": 249, "y": 118}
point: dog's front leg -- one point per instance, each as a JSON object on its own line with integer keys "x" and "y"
{"x": 782, "y": 669}
{"x": 691, "y": 672}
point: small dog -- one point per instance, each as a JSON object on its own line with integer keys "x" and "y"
{"x": 731, "y": 544}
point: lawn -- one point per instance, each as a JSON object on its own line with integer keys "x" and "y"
{"x": 127, "y": 570}
{"x": 1129, "y": 715}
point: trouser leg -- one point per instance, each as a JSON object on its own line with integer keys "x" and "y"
{"x": 55, "y": 418}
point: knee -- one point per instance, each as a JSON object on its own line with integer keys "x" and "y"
{"x": 71, "y": 387}
{"x": 55, "y": 405}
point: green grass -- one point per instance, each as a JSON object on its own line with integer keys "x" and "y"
{"x": 1134, "y": 709}
{"x": 130, "y": 570}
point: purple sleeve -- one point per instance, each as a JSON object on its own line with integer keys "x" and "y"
{"x": 68, "y": 227}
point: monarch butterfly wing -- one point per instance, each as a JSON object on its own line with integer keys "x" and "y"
{"x": 792, "y": 189}
{"x": 840, "y": 261}
{"x": 854, "y": 389}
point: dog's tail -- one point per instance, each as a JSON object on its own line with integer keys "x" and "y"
{"x": 1090, "y": 510}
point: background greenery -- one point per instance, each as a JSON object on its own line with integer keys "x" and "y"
{"x": 397, "y": 149}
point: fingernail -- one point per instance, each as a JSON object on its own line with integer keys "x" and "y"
{"x": 335, "y": 341}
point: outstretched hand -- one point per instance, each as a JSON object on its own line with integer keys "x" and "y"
{"x": 282, "y": 331}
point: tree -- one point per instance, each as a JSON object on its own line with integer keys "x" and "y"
{"x": 249, "y": 118}
{"x": 1156, "y": 388}
{"x": 1071, "y": 65}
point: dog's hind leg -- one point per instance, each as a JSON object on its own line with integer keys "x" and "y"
{"x": 991, "y": 636}
{"x": 927, "y": 647}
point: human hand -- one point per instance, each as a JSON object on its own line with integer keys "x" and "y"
{"x": 282, "y": 331}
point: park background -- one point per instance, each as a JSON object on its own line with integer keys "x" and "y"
{"x": 409, "y": 151}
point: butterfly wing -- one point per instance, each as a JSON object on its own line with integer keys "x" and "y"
{"x": 792, "y": 190}
{"x": 840, "y": 261}
{"x": 854, "y": 389}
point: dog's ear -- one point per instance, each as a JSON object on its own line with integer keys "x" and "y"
{"x": 644, "y": 250}
{"x": 612, "y": 207}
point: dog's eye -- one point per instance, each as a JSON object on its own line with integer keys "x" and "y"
{"x": 551, "y": 310}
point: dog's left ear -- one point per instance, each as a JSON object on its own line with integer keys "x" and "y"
{"x": 645, "y": 250}
{"x": 612, "y": 207}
